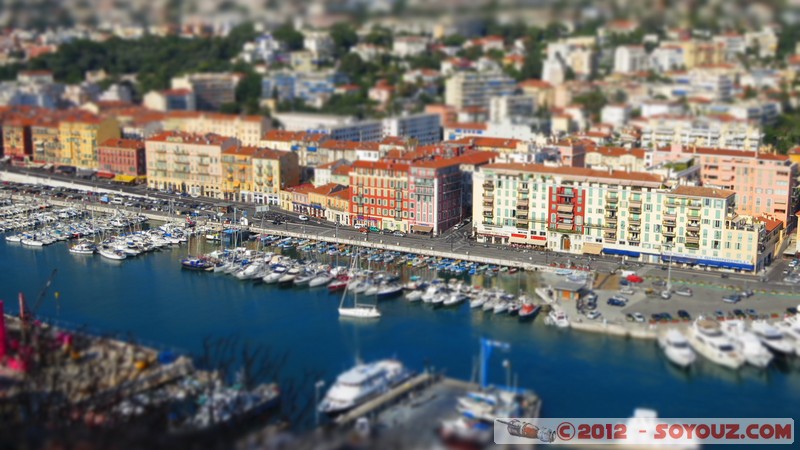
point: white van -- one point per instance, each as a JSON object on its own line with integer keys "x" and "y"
{"x": 116, "y": 201}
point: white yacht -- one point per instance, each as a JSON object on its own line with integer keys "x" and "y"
{"x": 414, "y": 296}
{"x": 676, "y": 348}
{"x": 361, "y": 383}
{"x": 83, "y": 248}
{"x": 791, "y": 331}
{"x": 321, "y": 279}
{"x": 772, "y": 338}
{"x": 747, "y": 343}
{"x": 707, "y": 339}
{"x": 14, "y": 238}
{"x": 357, "y": 311}
{"x": 558, "y": 318}
{"x": 110, "y": 253}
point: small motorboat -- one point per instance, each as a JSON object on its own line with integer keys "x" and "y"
{"x": 528, "y": 312}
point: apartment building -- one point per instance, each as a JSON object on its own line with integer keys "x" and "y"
{"x": 630, "y": 59}
{"x": 313, "y": 88}
{"x": 246, "y": 129}
{"x": 380, "y": 195}
{"x": 79, "y": 133}
{"x": 472, "y": 89}
{"x": 273, "y": 170}
{"x": 617, "y": 158}
{"x": 435, "y": 194}
{"x": 44, "y": 139}
{"x": 628, "y": 214}
{"x": 764, "y": 183}
{"x": 423, "y": 128}
{"x": 170, "y": 100}
{"x": 186, "y": 162}
{"x": 237, "y": 173}
{"x": 327, "y": 205}
{"x": 709, "y": 131}
{"x": 124, "y": 157}
{"x": 211, "y": 90}
{"x": 17, "y": 142}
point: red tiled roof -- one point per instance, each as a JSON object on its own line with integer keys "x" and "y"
{"x": 123, "y": 143}
{"x": 702, "y": 191}
{"x": 190, "y": 138}
{"x": 241, "y": 150}
{"x": 769, "y": 223}
{"x": 577, "y": 172}
{"x": 491, "y": 142}
{"x": 382, "y": 165}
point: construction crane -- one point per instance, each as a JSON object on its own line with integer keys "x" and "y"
{"x": 28, "y": 315}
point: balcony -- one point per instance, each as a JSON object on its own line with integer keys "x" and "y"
{"x": 523, "y": 217}
{"x": 671, "y": 203}
{"x": 564, "y": 227}
{"x": 488, "y": 204}
{"x": 694, "y": 205}
{"x": 566, "y": 193}
{"x": 693, "y": 226}
{"x": 612, "y": 199}
{"x": 634, "y": 228}
{"x": 668, "y": 231}
{"x": 635, "y": 221}
{"x": 610, "y": 226}
{"x": 488, "y": 214}
{"x": 488, "y": 186}
{"x": 611, "y": 207}
{"x": 634, "y": 238}
{"x": 564, "y": 200}
{"x": 669, "y": 222}
{"x": 522, "y": 207}
{"x": 693, "y": 246}
{"x": 695, "y": 238}
{"x": 523, "y": 190}
{"x": 488, "y": 195}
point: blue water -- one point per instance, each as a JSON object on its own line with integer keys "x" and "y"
{"x": 577, "y": 375}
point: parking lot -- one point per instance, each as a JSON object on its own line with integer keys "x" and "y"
{"x": 643, "y": 303}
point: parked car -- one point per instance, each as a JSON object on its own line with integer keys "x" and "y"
{"x": 732, "y": 298}
{"x": 614, "y": 301}
{"x": 638, "y": 317}
{"x": 386, "y": 231}
{"x": 374, "y": 229}
{"x": 666, "y": 295}
{"x": 592, "y": 315}
{"x": 591, "y": 305}
{"x": 684, "y": 291}
{"x": 398, "y": 234}
{"x": 627, "y": 290}
{"x": 747, "y": 293}
{"x": 683, "y": 314}
{"x": 303, "y": 218}
{"x": 659, "y": 283}
{"x": 719, "y": 314}
{"x": 751, "y": 313}
{"x": 739, "y": 313}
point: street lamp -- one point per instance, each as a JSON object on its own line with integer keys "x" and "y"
{"x": 317, "y": 386}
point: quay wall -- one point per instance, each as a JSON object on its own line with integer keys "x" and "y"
{"x": 420, "y": 250}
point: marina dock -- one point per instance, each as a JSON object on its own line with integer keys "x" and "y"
{"x": 409, "y": 415}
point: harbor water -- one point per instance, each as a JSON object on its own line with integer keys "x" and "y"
{"x": 576, "y": 374}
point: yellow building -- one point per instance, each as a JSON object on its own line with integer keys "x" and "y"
{"x": 273, "y": 171}
{"x": 247, "y": 129}
{"x": 79, "y": 133}
{"x": 237, "y": 173}
{"x": 330, "y": 202}
{"x": 185, "y": 162}
{"x": 44, "y": 139}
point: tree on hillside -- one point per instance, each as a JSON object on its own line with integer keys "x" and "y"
{"x": 292, "y": 38}
{"x": 344, "y": 37}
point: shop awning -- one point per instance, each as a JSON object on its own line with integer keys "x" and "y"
{"x": 124, "y": 179}
{"x": 592, "y": 248}
{"x": 518, "y": 240}
{"x": 421, "y": 229}
{"x": 565, "y": 208}
{"x": 541, "y": 242}
{"x": 614, "y": 251}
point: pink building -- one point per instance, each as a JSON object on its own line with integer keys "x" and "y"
{"x": 122, "y": 157}
{"x": 764, "y": 183}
